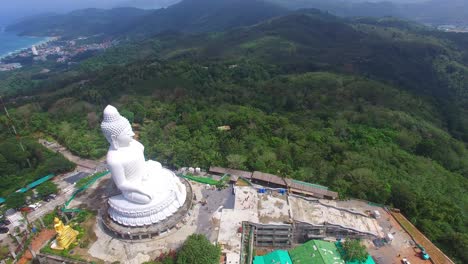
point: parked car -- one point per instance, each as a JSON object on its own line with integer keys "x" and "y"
{"x": 5, "y": 222}
{"x": 50, "y": 197}
{"x": 4, "y": 230}
{"x": 405, "y": 261}
{"x": 10, "y": 211}
{"x": 26, "y": 209}
{"x": 34, "y": 206}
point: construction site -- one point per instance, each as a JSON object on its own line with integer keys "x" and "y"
{"x": 256, "y": 218}
{"x": 268, "y": 219}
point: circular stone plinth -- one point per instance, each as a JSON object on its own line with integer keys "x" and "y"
{"x": 149, "y": 231}
{"x": 167, "y": 202}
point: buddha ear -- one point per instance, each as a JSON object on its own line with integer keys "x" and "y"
{"x": 114, "y": 143}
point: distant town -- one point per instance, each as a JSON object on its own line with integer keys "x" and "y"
{"x": 454, "y": 28}
{"x": 55, "y": 50}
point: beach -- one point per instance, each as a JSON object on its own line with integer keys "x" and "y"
{"x": 10, "y": 43}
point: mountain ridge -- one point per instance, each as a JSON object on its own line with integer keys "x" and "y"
{"x": 185, "y": 16}
{"x": 432, "y": 12}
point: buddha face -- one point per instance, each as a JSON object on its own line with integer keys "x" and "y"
{"x": 125, "y": 137}
{"x": 116, "y": 128}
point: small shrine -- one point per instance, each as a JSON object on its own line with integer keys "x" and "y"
{"x": 65, "y": 235}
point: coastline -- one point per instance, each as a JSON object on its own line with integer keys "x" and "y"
{"x": 39, "y": 43}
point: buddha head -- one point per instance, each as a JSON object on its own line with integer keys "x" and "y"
{"x": 116, "y": 128}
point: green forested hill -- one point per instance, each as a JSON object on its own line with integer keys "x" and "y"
{"x": 84, "y": 22}
{"x": 373, "y": 108}
{"x": 205, "y": 16}
{"x": 404, "y": 54}
{"x": 362, "y": 138}
{"x": 19, "y": 168}
{"x": 186, "y": 16}
{"x": 434, "y": 12}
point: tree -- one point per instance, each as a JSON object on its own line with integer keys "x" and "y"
{"x": 354, "y": 250}
{"x": 4, "y": 252}
{"x": 236, "y": 161}
{"x": 127, "y": 114}
{"x": 404, "y": 198}
{"x": 58, "y": 164}
{"x": 197, "y": 249}
{"x": 47, "y": 188}
{"x": 93, "y": 120}
{"x": 16, "y": 200}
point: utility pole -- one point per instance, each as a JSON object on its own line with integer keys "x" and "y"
{"x": 12, "y": 125}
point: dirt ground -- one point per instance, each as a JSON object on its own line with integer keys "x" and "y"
{"x": 37, "y": 243}
{"x": 401, "y": 247}
{"x": 242, "y": 183}
{"x": 437, "y": 256}
{"x": 90, "y": 236}
{"x": 94, "y": 197}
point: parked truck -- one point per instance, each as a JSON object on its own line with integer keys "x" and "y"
{"x": 424, "y": 254}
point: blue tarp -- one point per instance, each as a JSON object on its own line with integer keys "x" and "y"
{"x": 2, "y": 200}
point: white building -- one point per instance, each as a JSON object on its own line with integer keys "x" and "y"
{"x": 34, "y": 50}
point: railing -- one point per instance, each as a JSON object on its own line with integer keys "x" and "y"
{"x": 436, "y": 255}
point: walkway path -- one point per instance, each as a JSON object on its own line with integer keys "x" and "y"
{"x": 85, "y": 165}
{"x": 37, "y": 244}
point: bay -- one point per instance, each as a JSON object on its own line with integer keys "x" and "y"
{"x": 10, "y": 42}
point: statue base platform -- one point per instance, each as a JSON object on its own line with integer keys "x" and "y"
{"x": 137, "y": 232}
{"x": 166, "y": 203}
{"x": 55, "y": 246}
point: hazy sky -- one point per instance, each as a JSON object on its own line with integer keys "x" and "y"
{"x": 67, "y": 5}
{"x": 14, "y": 9}
{"x": 11, "y": 10}
{"x": 74, "y": 4}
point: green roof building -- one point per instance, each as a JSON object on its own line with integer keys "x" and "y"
{"x": 275, "y": 257}
{"x": 369, "y": 260}
{"x": 316, "y": 252}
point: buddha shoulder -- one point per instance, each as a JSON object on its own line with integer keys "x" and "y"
{"x": 116, "y": 156}
{"x": 137, "y": 144}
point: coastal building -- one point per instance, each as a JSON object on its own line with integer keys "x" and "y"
{"x": 34, "y": 51}
{"x": 9, "y": 66}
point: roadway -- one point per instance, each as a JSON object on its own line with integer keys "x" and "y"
{"x": 66, "y": 187}
{"x": 84, "y": 165}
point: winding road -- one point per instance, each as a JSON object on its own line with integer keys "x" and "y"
{"x": 66, "y": 188}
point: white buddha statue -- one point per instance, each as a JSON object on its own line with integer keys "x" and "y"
{"x": 150, "y": 193}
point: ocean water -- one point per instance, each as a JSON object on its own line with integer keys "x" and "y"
{"x": 10, "y": 42}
